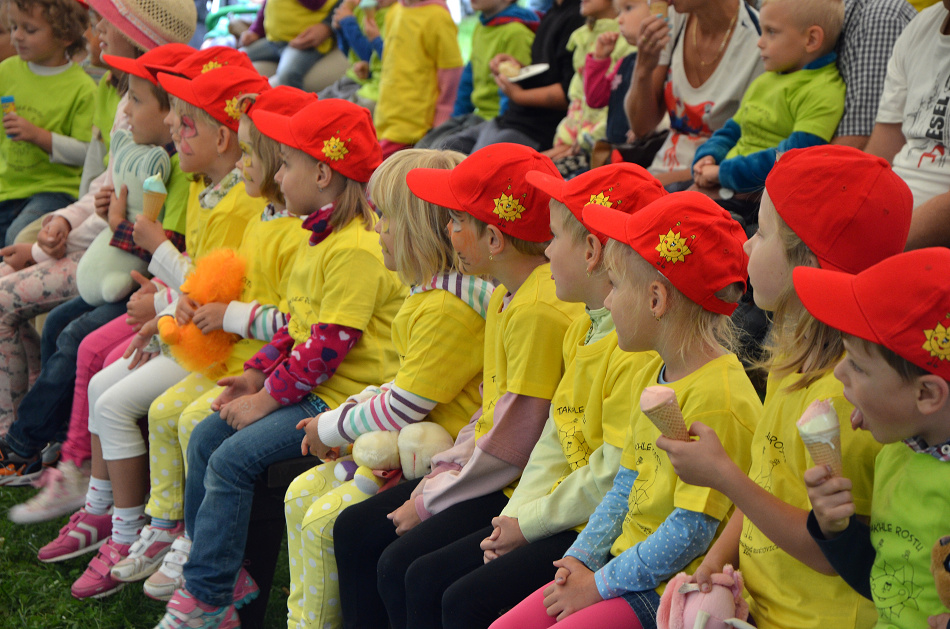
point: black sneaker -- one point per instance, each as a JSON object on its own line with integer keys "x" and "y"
{"x": 17, "y": 470}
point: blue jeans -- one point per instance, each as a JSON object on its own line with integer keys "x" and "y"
{"x": 292, "y": 63}
{"x": 15, "y": 214}
{"x": 223, "y": 465}
{"x": 43, "y": 414}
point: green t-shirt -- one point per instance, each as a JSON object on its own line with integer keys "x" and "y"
{"x": 103, "y": 116}
{"x": 777, "y": 105}
{"x": 908, "y": 515}
{"x": 176, "y": 203}
{"x": 370, "y": 87}
{"x": 61, "y": 103}
{"x": 513, "y": 38}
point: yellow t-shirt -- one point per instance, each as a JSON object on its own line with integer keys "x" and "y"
{"x": 221, "y": 226}
{"x": 285, "y": 19}
{"x": 269, "y": 248}
{"x": 523, "y": 343}
{"x": 343, "y": 281}
{"x": 440, "y": 341}
{"x": 785, "y": 593}
{"x": 420, "y": 41}
{"x": 717, "y": 394}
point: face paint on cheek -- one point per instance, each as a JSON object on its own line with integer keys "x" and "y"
{"x": 186, "y": 131}
{"x": 247, "y": 162}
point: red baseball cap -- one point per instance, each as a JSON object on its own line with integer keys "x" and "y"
{"x": 283, "y": 100}
{"x": 625, "y": 187}
{"x": 902, "y": 303}
{"x": 204, "y": 60}
{"x": 850, "y": 208}
{"x": 334, "y": 131}
{"x": 169, "y": 54}
{"x": 216, "y": 92}
{"x": 693, "y": 242}
{"x": 490, "y": 184}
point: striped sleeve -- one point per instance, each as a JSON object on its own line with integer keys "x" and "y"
{"x": 391, "y": 409}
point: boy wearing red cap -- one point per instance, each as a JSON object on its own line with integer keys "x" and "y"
{"x": 894, "y": 316}
{"x": 499, "y": 227}
{"x": 578, "y": 453}
{"x": 676, "y": 269}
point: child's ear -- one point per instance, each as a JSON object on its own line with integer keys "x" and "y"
{"x": 324, "y": 175}
{"x": 815, "y": 38}
{"x": 593, "y": 253}
{"x": 932, "y": 393}
{"x": 496, "y": 240}
{"x": 659, "y": 299}
{"x": 223, "y": 139}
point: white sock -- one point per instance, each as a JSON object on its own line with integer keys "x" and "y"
{"x": 127, "y": 523}
{"x": 98, "y": 496}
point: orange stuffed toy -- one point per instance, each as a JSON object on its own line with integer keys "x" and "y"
{"x": 218, "y": 277}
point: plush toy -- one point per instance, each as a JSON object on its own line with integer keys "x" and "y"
{"x": 940, "y": 567}
{"x": 217, "y": 277}
{"x": 684, "y": 606}
{"x": 411, "y": 450}
{"x": 104, "y": 272}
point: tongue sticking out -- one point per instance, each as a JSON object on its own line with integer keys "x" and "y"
{"x": 857, "y": 420}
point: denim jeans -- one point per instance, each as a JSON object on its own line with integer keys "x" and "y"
{"x": 43, "y": 414}
{"x": 292, "y": 63}
{"x": 223, "y": 465}
{"x": 15, "y": 214}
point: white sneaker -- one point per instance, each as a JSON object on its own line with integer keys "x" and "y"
{"x": 168, "y": 578}
{"x": 62, "y": 491}
{"x": 147, "y": 553}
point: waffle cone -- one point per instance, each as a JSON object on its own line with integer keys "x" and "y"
{"x": 825, "y": 448}
{"x": 659, "y": 7}
{"x": 152, "y": 203}
{"x": 669, "y": 419}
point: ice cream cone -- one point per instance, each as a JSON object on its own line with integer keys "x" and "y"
{"x": 152, "y": 203}
{"x": 660, "y": 405}
{"x": 821, "y": 433}
{"x": 659, "y": 7}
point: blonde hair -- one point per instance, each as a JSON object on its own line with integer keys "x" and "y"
{"x": 828, "y": 15}
{"x": 697, "y": 327}
{"x": 422, "y": 247}
{"x": 524, "y": 247}
{"x": 798, "y": 341}
{"x": 267, "y": 149}
{"x": 352, "y": 203}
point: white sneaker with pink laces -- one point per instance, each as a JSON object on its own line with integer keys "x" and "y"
{"x": 62, "y": 491}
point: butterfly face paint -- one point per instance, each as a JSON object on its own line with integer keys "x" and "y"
{"x": 187, "y": 131}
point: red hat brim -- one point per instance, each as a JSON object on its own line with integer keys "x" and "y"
{"x": 612, "y": 223}
{"x": 277, "y": 127}
{"x": 432, "y": 185}
{"x": 830, "y": 297}
{"x": 548, "y": 184}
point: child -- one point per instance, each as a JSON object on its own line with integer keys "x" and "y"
{"x": 674, "y": 298}
{"x": 442, "y": 322}
{"x": 583, "y": 123}
{"x": 502, "y": 28}
{"x": 335, "y": 344}
{"x": 422, "y": 65}
{"x": 802, "y": 222}
{"x": 499, "y": 227}
{"x": 893, "y": 317}
{"x": 293, "y": 33}
{"x": 42, "y": 149}
{"x": 796, "y": 103}
{"x": 357, "y": 31}
{"x": 121, "y": 393}
{"x": 537, "y": 104}
{"x": 578, "y": 453}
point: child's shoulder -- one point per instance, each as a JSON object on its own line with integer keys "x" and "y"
{"x": 720, "y": 385}
{"x": 537, "y": 297}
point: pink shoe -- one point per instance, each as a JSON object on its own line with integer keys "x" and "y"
{"x": 245, "y": 589}
{"x": 83, "y": 534}
{"x": 96, "y": 581}
{"x": 147, "y": 553}
{"x": 184, "y": 610}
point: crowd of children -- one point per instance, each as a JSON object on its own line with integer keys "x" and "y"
{"x": 462, "y": 338}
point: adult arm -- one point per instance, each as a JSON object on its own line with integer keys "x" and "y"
{"x": 930, "y": 224}
{"x": 886, "y": 140}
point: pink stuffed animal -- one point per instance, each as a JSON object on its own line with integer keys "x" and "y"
{"x": 683, "y": 606}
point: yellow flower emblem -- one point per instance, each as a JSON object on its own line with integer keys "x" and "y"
{"x": 211, "y": 65}
{"x": 600, "y": 199}
{"x": 938, "y": 342}
{"x": 508, "y": 207}
{"x": 231, "y": 107}
{"x": 673, "y": 247}
{"x": 335, "y": 149}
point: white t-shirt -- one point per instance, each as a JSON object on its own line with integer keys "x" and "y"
{"x": 695, "y": 112}
{"x": 917, "y": 95}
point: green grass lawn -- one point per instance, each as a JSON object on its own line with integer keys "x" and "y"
{"x": 35, "y": 595}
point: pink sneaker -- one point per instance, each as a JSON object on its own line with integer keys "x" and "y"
{"x": 96, "y": 581}
{"x": 147, "y": 553}
{"x": 184, "y": 610}
{"x": 245, "y": 589}
{"x": 83, "y": 534}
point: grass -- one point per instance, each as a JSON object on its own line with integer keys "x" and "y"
{"x": 35, "y": 595}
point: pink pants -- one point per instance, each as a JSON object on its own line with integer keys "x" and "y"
{"x": 530, "y": 613}
{"x": 98, "y": 350}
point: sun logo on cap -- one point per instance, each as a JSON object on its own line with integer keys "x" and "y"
{"x": 232, "y": 108}
{"x": 335, "y": 149}
{"x": 600, "y": 199}
{"x": 508, "y": 207}
{"x": 673, "y": 247}
{"x": 211, "y": 65}
{"x": 938, "y": 342}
